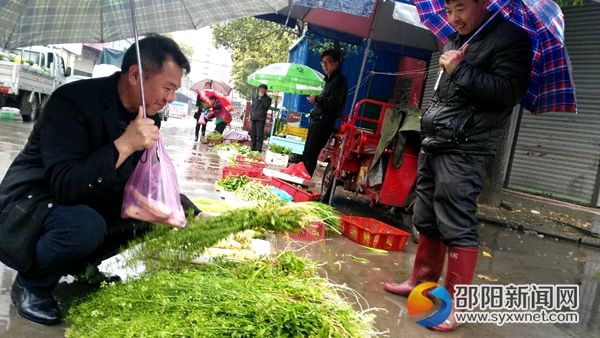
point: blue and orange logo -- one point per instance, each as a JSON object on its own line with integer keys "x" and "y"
{"x": 419, "y": 302}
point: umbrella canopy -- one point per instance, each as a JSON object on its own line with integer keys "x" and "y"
{"x": 289, "y": 78}
{"x": 219, "y": 86}
{"x": 359, "y": 18}
{"x": 41, "y": 22}
{"x": 205, "y": 95}
{"x": 551, "y": 87}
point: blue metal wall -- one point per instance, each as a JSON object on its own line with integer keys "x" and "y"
{"x": 377, "y": 87}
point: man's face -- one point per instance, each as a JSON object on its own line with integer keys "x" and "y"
{"x": 262, "y": 91}
{"x": 329, "y": 65}
{"x": 466, "y": 15}
{"x": 160, "y": 87}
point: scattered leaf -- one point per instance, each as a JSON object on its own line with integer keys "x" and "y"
{"x": 487, "y": 278}
{"x": 486, "y": 254}
{"x": 359, "y": 259}
{"x": 375, "y": 250}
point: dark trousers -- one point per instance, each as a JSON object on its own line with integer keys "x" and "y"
{"x": 70, "y": 237}
{"x": 220, "y": 127}
{"x": 448, "y": 185}
{"x": 257, "y": 135}
{"x": 199, "y": 127}
{"x": 317, "y": 137}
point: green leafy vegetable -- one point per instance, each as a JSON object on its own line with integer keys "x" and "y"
{"x": 279, "y": 149}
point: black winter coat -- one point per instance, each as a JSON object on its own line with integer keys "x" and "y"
{"x": 260, "y": 107}
{"x": 69, "y": 159}
{"x": 471, "y": 108}
{"x": 332, "y": 99}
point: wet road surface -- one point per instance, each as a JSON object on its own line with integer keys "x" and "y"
{"x": 516, "y": 258}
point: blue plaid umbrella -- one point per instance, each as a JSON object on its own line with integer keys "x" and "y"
{"x": 552, "y": 87}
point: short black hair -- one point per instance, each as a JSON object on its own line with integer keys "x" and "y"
{"x": 155, "y": 49}
{"x": 262, "y": 85}
{"x": 335, "y": 54}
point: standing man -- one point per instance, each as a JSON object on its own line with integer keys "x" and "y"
{"x": 61, "y": 199}
{"x": 258, "y": 116}
{"x": 461, "y": 130}
{"x": 328, "y": 108}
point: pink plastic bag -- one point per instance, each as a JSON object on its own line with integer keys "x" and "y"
{"x": 202, "y": 119}
{"x": 152, "y": 192}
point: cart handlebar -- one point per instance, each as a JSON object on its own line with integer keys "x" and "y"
{"x": 355, "y": 117}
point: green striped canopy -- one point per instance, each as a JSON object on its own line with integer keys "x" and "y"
{"x": 290, "y": 78}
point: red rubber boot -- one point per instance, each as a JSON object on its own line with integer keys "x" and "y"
{"x": 461, "y": 266}
{"x": 428, "y": 265}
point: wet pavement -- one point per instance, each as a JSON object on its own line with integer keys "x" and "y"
{"x": 515, "y": 257}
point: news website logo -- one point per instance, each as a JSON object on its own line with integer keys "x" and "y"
{"x": 419, "y": 302}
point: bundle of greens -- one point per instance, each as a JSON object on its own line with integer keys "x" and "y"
{"x": 164, "y": 248}
{"x": 256, "y": 192}
{"x": 214, "y": 136}
{"x": 279, "y": 149}
{"x": 279, "y": 297}
{"x": 233, "y": 183}
{"x": 234, "y": 147}
{"x": 248, "y": 152}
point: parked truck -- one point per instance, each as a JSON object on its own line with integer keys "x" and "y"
{"x": 28, "y": 76}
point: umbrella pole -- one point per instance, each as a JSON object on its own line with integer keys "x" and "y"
{"x": 137, "y": 51}
{"x": 357, "y": 88}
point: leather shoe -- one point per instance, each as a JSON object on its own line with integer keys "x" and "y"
{"x": 39, "y": 309}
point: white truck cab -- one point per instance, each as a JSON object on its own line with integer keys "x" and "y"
{"x": 28, "y": 76}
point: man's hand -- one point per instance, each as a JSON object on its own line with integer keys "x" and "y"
{"x": 312, "y": 99}
{"x": 451, "y": 59}
{"x": 139, "y": 135}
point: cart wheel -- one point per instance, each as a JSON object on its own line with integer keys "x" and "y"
{"x": 327, "y": 183}
{"x": 407, "y": 215}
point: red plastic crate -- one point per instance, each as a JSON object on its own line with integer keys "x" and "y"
{"x": 264, "y": 180}
{"x": 373, "y": 233}
{"x": 242, "y": 171}
{"x": 299, "y": 195}
{"x": 314, "y": 232}
{"x": 242, "y": 160}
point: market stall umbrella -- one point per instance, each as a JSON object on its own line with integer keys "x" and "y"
{"x": 290, "y": 78}
{"x": 551, "y": 87}
{"x": 41, "y": 22}
{"x": 381, "y": 21}
{"x": 205, "y": 95}
{"x": 219, "y": 86}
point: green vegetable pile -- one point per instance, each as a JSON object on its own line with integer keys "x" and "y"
{"x": 232, "y": 183}
{"x": 256, "y": 192}
{"x": 214, "y": 136}
{"x": 165, "y": 248}
{"x": 248, "y": 152}
{"x": 228, "y": 146}
{"x": 279, "y": 297}
{"x": 279, "y": 149}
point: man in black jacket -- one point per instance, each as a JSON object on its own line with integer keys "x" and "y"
{"x": 328, "y": 108}
{"x": 461, "y": 129}
{"x": 258, "y": 116}
{"x": 60, "y": 201}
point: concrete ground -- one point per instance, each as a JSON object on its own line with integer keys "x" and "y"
{"x": 515, "y": 257}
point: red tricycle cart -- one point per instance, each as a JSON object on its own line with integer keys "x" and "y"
{"x": 349, "y": 155}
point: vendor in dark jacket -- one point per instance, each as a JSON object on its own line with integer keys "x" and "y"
{"x": 258, "y": 116}
{"x": 328, "y": 108}
{"x": 60, "y": 201}
{"x": 481, "y": 84}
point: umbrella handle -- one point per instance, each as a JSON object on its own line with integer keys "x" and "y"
{"x": 137, "y": 51}
{"x": 439, "y": 78}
